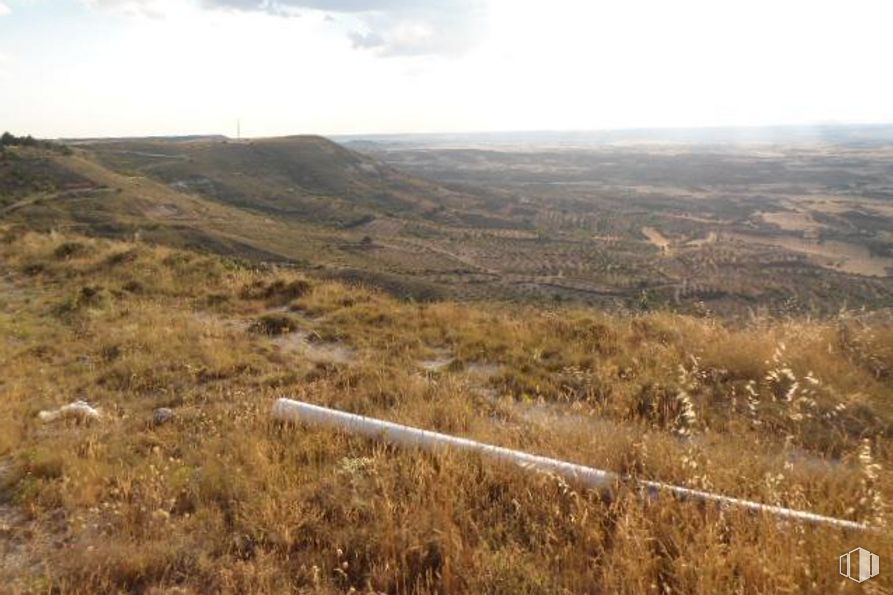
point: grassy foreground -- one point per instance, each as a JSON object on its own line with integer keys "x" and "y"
{"x": 221, "y": 499}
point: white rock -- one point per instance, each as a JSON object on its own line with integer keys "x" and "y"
{"x": 78, "y": 410}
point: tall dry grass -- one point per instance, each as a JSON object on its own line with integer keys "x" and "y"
{"x": 221, "y": 499}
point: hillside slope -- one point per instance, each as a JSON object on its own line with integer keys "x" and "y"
{"x": 300, "y": 201}
{"x": 307, "y": 177}
{"x": 76, "y": 192}
{"x": 220, "y": 499}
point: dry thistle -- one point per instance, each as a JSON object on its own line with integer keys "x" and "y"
{"x": 871, "y": 501}
{"x": 687, "y": 418}
{"x": 694, "y": 463}
{"x": 690, "y": 380}
{"x": 773, "y": 484}
{"x": 753, "y": 403}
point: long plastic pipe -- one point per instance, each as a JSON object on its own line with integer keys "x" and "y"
{"x": 297, "y": 411}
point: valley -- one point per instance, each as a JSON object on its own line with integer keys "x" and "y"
{"x": 735, "y": 230}
{"x": 794, "y": 228}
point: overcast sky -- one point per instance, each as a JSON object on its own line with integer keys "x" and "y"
{"x": 138, "y": 67}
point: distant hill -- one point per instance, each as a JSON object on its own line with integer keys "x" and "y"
{"x": 841, "y": 134}
{"x": 47, "y": 190}
{"x": 305, "y": 177}
{"x": 299, "y": 200}
{"x": 169, "y": 139}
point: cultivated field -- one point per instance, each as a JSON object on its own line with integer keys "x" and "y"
{"x": 791, "y": 229}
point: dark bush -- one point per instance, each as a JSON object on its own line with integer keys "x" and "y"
{"x": 33, "y": 269}
{"x": 133, "y": 286}
{"x": 275, "y": 324}
{"x": 89, "y": 296}
{"x": 217, "y": 299}
{"x": 656, "y": 404}
{"x": 122, "y": 257}
{"x": 279, "y": 290}
{"x": 71, "y": 250}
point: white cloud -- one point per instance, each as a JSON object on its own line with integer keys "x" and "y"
{"x": 155, "y": 9}
{"x": 4, "y": 9}
{"x": 388, "y": 27}
{"x": 570, "y": 64}
{"x": 450, "y": 27}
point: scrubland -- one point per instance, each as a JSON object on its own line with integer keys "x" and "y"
{"x": 222, "y": 499}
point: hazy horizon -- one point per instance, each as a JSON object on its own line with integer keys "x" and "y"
{"x": 754, "y": 133}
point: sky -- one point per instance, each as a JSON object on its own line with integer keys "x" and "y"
{"x": 78, "y": 68}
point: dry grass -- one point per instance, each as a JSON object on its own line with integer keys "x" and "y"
{"x": 223, "y": 500}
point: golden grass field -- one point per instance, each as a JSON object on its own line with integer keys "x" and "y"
{"x": 221, "y": 499}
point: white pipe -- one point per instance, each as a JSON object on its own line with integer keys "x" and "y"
{"x": 297, "y": 411}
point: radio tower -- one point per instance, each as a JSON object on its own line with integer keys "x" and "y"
{"x": 239, "y": 129}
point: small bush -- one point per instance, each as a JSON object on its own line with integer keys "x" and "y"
{"x": 217, "y": 299}
{"x": 45, "y": 464}
{"x": 125, "y": 257}
{"x": 275, "y": 324}
{"x": 89, "y": 297}
{"x": 33, "y": 269}
{"x": 69, "y": 250}
{"x": 177, "y": 259}
{"x": 133, "y": 286}
{"x": 657, "y": 404}
{"x": 93, "y": 296}
{"x": 279, "y": 290}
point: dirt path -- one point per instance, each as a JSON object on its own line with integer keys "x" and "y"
{"x": 26, "y": 202}
{"x": 657, "y": 238}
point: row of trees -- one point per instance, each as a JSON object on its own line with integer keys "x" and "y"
{"x": 10, "y": 140}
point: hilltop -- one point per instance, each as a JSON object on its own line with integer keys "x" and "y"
{"x": 221, "y": 499}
